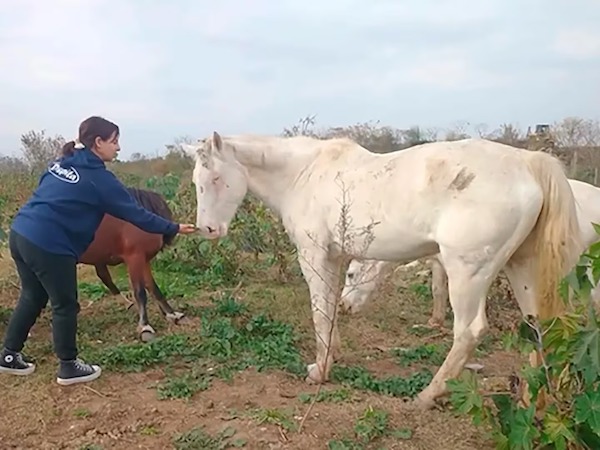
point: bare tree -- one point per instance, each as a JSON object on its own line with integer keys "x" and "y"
{"x": 457, "y": 132}
{"x": 39, "y": 149}
{"x": 10, "y": 164}
{"x": 304, "y": 127}
{"x": 573, "y": 132}
{"x": 510, "y": 134}
{"x": 376, "y": 138}
{"x": 416, "y": 135}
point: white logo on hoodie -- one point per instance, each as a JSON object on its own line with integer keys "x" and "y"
{"x": 68, "y": 175}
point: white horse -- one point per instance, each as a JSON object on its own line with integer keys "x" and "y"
{"x": 363, "y": 277}
{"x": 482, "y": 205}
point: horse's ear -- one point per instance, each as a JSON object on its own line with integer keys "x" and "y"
{"x": 217, "y": 141}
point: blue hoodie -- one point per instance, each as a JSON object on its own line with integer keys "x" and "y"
{"x": 73, "y": 195}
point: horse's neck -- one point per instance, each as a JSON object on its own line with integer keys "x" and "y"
{"x": 273, "y": 165}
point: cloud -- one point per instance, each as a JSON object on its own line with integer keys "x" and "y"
{"x": 578, "y": 43}
{"x": 69, "y": 45}
{"x": 161, "y": 70}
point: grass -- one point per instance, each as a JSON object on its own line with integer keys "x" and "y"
{"x": 199, "y": 439}
{"x": 257, "y": 327}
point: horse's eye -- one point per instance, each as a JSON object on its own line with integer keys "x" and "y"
{"x": 350, "y": 276}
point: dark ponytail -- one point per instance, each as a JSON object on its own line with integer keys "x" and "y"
{"x": 68, "y": 149}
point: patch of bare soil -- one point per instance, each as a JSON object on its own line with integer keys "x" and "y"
{"x": 123, "y": 412}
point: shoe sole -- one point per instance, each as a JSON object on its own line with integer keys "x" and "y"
{"x": 76, "y": 380}
{"x": 20, "y": 372}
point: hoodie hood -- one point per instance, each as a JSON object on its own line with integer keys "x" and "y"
{"x": 82, "y": 159}
{"x": 68, "y": 168}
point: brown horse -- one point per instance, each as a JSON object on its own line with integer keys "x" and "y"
{"x": 117, "y": 241}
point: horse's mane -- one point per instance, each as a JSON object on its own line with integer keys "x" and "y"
{"x": 153, "y": 202}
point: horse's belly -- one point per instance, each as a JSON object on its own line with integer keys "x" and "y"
{"x": 400, "y": 247}
{"x": 378, "y": 232}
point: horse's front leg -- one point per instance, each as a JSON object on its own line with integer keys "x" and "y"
{"x": 323, "y": 278}
{"x": 135, "y": 268}
{"x": 163, "y": 304}
{"x": 439, "y": 291}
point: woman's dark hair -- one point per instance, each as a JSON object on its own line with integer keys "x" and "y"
{"x": 89, "y": 130}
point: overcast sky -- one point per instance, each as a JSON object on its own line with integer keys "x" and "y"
{"x": 257, "y": 66}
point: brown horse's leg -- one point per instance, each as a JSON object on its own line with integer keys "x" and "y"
{"x": 104, "y": 275}
{"x": 135, "y": 269}
{"x": 151, "y": 285}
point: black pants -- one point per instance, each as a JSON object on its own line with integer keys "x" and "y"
{"x": 44, "y": 275}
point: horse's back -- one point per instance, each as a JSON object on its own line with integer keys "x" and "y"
{"x": 441, "y": 165}
{"x": 416, "y": 195}
{"x": 425, "y": 178}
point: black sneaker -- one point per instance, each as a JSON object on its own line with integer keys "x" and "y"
{"x": 14, "y": 364}
{"x": 76, "y": 371}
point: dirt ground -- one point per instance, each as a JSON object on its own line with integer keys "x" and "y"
{"x": 123, "y": 411}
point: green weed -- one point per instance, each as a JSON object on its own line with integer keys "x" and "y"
{"x": 199, "y": 439}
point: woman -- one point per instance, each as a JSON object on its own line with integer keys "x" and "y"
{"x": 53, "y": 229}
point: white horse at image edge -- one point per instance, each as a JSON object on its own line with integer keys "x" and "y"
{"x": 364, "y": 277}
{"x": 484, "y": 206}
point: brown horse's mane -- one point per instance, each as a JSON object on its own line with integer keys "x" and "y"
{"x": 153, "y": 202}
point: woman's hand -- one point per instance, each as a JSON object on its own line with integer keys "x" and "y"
{"x": 186, "y": 228}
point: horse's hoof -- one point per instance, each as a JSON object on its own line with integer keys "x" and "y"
{"x": 184, "y": 321}
{"x": 436, "y": 324}
{"x": 175, "y": 317}
{"x": 314, "y": 375}
{"x": 147, "y": 333}
{"x": 147, "y": 336}
{"x": 423, "y": 402}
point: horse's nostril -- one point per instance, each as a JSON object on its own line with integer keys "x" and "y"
{"x": 210, "y": 229}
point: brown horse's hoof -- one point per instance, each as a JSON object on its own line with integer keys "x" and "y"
{"x": 184, "y": 321}
{"x": 147, "y": 333}
{"x": 176, "y": 317}
{"x": 147, "y": 336}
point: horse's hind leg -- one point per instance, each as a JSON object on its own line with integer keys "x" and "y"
{"x": 135, "y": 269}
{"x": 522, "y": 281}
{"x": 165, "y": 307}
{"x": 468, "y": 286}
{"x": 104, "y": 275}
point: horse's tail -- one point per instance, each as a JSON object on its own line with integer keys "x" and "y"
{"x": 555, "y": 243}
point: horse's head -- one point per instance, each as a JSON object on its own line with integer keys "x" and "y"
{"x": 362, "y": 278}
{"x": 221, "y": 184}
